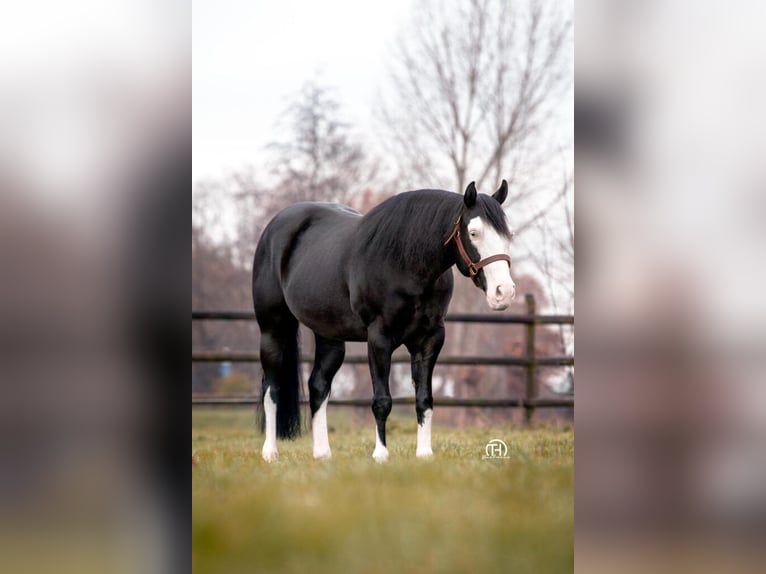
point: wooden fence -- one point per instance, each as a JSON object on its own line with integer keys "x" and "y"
{"x": 530, "y": 362}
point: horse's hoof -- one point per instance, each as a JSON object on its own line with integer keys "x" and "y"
{"x": 323, "y": 455}
{"x": 380, "y": 455}
{"x": 270, "y": 455}
{"x": 424, "y": 454}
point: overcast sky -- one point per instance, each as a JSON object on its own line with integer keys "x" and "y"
{"x": 250, "y": 57}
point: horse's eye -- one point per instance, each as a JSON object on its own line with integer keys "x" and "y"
{"x": 473, "y": 233}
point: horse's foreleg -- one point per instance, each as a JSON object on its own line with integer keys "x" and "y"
{"x": 423, "y": 363}
{"x": 379, "y": 349}
{"x": 327, "y": 360}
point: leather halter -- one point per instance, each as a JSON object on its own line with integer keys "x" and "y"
{"x": 473, "y": 268}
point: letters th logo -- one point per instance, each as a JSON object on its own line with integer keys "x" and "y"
{"x": 496, "y": 449}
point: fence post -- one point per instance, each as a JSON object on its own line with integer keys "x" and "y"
{"x": 531, "y": 383}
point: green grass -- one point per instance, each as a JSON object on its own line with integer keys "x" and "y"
{"x": 454, "y": 513}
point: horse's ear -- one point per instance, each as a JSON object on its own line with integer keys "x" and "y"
{"x": 501, "y": 193}
{"x": 470, "y": 194}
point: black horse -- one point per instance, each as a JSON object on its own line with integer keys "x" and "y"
{"x": 383, "y": 278}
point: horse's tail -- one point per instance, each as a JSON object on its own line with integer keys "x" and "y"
{"x": 289, "y": 384}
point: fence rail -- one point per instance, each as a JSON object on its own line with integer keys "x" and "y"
{"x": 450, "y": 318}
{"x": 216, "y": 357}
{"x": 530, "y": 362}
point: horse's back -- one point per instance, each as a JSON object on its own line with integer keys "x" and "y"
{"x": 286, "y": 230}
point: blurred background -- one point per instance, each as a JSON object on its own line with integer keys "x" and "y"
{"x": 95, "y": 109}
{"x": 671, "y": 406}
{"x": 354, "y": 102}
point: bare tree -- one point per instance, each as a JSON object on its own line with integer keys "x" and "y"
{"x": 230, "y": 211}
{"x": 318, "y": 160}
{"x": 474, "y": 85}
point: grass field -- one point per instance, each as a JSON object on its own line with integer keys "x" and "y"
{"x": 454, "y": 513}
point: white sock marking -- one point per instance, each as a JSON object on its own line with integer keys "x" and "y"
{"x": 424, "y": 435}
{"x": 319, "y": 432}
{"x": 269, "y": 452}
{"x": 380, "y": 454}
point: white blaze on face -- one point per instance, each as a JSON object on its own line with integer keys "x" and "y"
{"x": 500, "y": 286}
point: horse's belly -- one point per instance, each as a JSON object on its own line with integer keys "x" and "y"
{"x": 323, "y": 306}
{"x": 339, "y": 328}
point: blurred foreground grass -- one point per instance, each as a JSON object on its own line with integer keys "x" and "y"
{"x": 455, "y": 513}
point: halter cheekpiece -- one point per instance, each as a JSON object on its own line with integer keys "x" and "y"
{"x": 473, "y": 268}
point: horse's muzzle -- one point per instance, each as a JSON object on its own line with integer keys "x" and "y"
{"x": 500, "y": 298}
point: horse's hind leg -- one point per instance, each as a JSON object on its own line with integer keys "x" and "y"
{"x": 279, "y": 360}
{"x": 424, "y": 356}
{"x": 270, "y": 361}
{"x": 327, "y": 360}
{"x": 281, "y": 382}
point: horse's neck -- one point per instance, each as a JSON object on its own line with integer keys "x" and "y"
{"x": 435, "y": 259}
{"x": 427, "y": 258}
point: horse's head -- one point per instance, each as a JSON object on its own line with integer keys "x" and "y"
{"x": 484, "y": 234}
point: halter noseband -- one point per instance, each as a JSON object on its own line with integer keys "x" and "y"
{"x": 473, "y": 268}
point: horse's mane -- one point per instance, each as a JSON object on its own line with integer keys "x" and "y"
{"x": 410, "y": 227}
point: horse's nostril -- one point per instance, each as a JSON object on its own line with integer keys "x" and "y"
{"x": 504, "y": 292}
